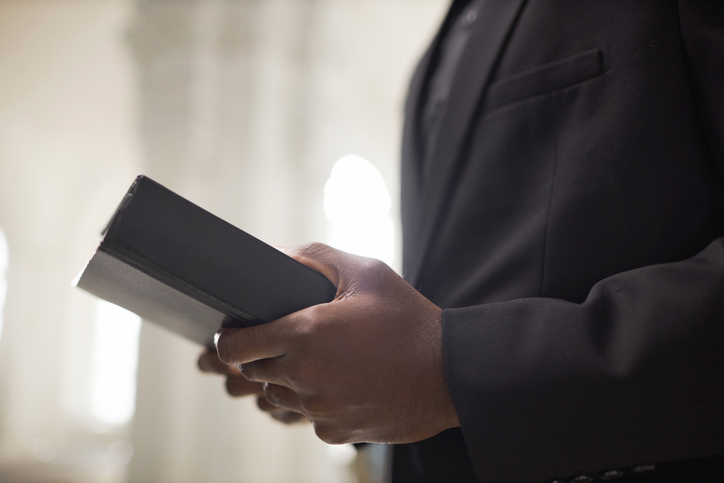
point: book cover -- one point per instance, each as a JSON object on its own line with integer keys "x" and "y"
{"x": 175, "y": 264}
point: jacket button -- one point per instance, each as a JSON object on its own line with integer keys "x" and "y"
{"x": 582, "y": 479}
{"x": 642, "y": 468}
{"x": 612, "y": 475}
{"x": 469, "y": 19}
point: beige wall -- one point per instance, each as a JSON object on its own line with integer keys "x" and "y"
{"x": 243, "y": 106}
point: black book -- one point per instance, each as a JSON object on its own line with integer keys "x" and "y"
{"x": 175, "y": 264}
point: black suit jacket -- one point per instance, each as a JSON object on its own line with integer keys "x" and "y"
{"x": 570, "y": 228}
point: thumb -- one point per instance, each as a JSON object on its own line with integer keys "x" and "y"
{"x": 328, "y": 261}
{"x": 346, "y": 271}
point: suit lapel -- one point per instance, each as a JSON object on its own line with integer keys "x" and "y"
{"x": 489, "y": 35}
{"x": 410, "y": 138}
{"x": 411, "y": 193}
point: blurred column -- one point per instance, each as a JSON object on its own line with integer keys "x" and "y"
{"x": 223, "y": 86}
{"x": 66, "y": 154}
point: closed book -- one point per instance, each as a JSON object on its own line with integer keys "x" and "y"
{"x": 175, "y": 264}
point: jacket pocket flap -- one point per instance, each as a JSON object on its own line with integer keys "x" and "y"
{"x": 545, "y": 78}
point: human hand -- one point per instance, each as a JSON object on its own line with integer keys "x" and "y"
{"x": 366, "y": 367}
{"x": 237, "y": 385}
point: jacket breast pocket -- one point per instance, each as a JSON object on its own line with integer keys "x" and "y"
{"x": 545, "y": 78}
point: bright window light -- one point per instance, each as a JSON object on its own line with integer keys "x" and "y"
{"x": 4, "y": 260}
{"x": 357, "y": 205}
{"x": 115, "y": 360}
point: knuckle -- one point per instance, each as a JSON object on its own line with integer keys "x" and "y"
{"x": 306, "y": 324}
{"x": 314, "y": 248}
{"x": 296, "y": 325}
{"x": 377, "y": 276}
{"x": 375, "y": 264}
{"x": 302, "y": 335}
{"x": 374, "y": 269}
{"x": 316, "y": 251}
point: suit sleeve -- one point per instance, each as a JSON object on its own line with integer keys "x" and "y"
{"x": 547, "y": 389}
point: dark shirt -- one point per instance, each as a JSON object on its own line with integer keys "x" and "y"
{"x": 455, "y": 38}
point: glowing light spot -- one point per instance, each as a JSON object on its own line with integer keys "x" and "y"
{"x": 115, "y": 360}
{"x": 44, "y": 449}
{"x": 120, "y": 452}
{"x": 357, "y": 205}
{"x": 4, "y": 262}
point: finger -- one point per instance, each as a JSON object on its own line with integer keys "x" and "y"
{"x": 266, "y": 406}
{"x": 239, "y": 346}
{"x": 282, "y": 397}
{"x": 270, "y": 408}
{"x": 282, "y": 415}
{"x": 239, "y": 386}
{"x": 265, "y": 370}
{"x": 322, "y": 258}
{"x": 289, "y": 417}
{"x": 209, "y": 362}
{"x": 341, "y": 268}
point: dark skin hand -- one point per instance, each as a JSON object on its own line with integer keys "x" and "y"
{"x": 239, "y": 386}
{"x": 366, "y": 367}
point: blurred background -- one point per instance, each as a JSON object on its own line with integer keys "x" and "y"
{"x": 282, "y": 116}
